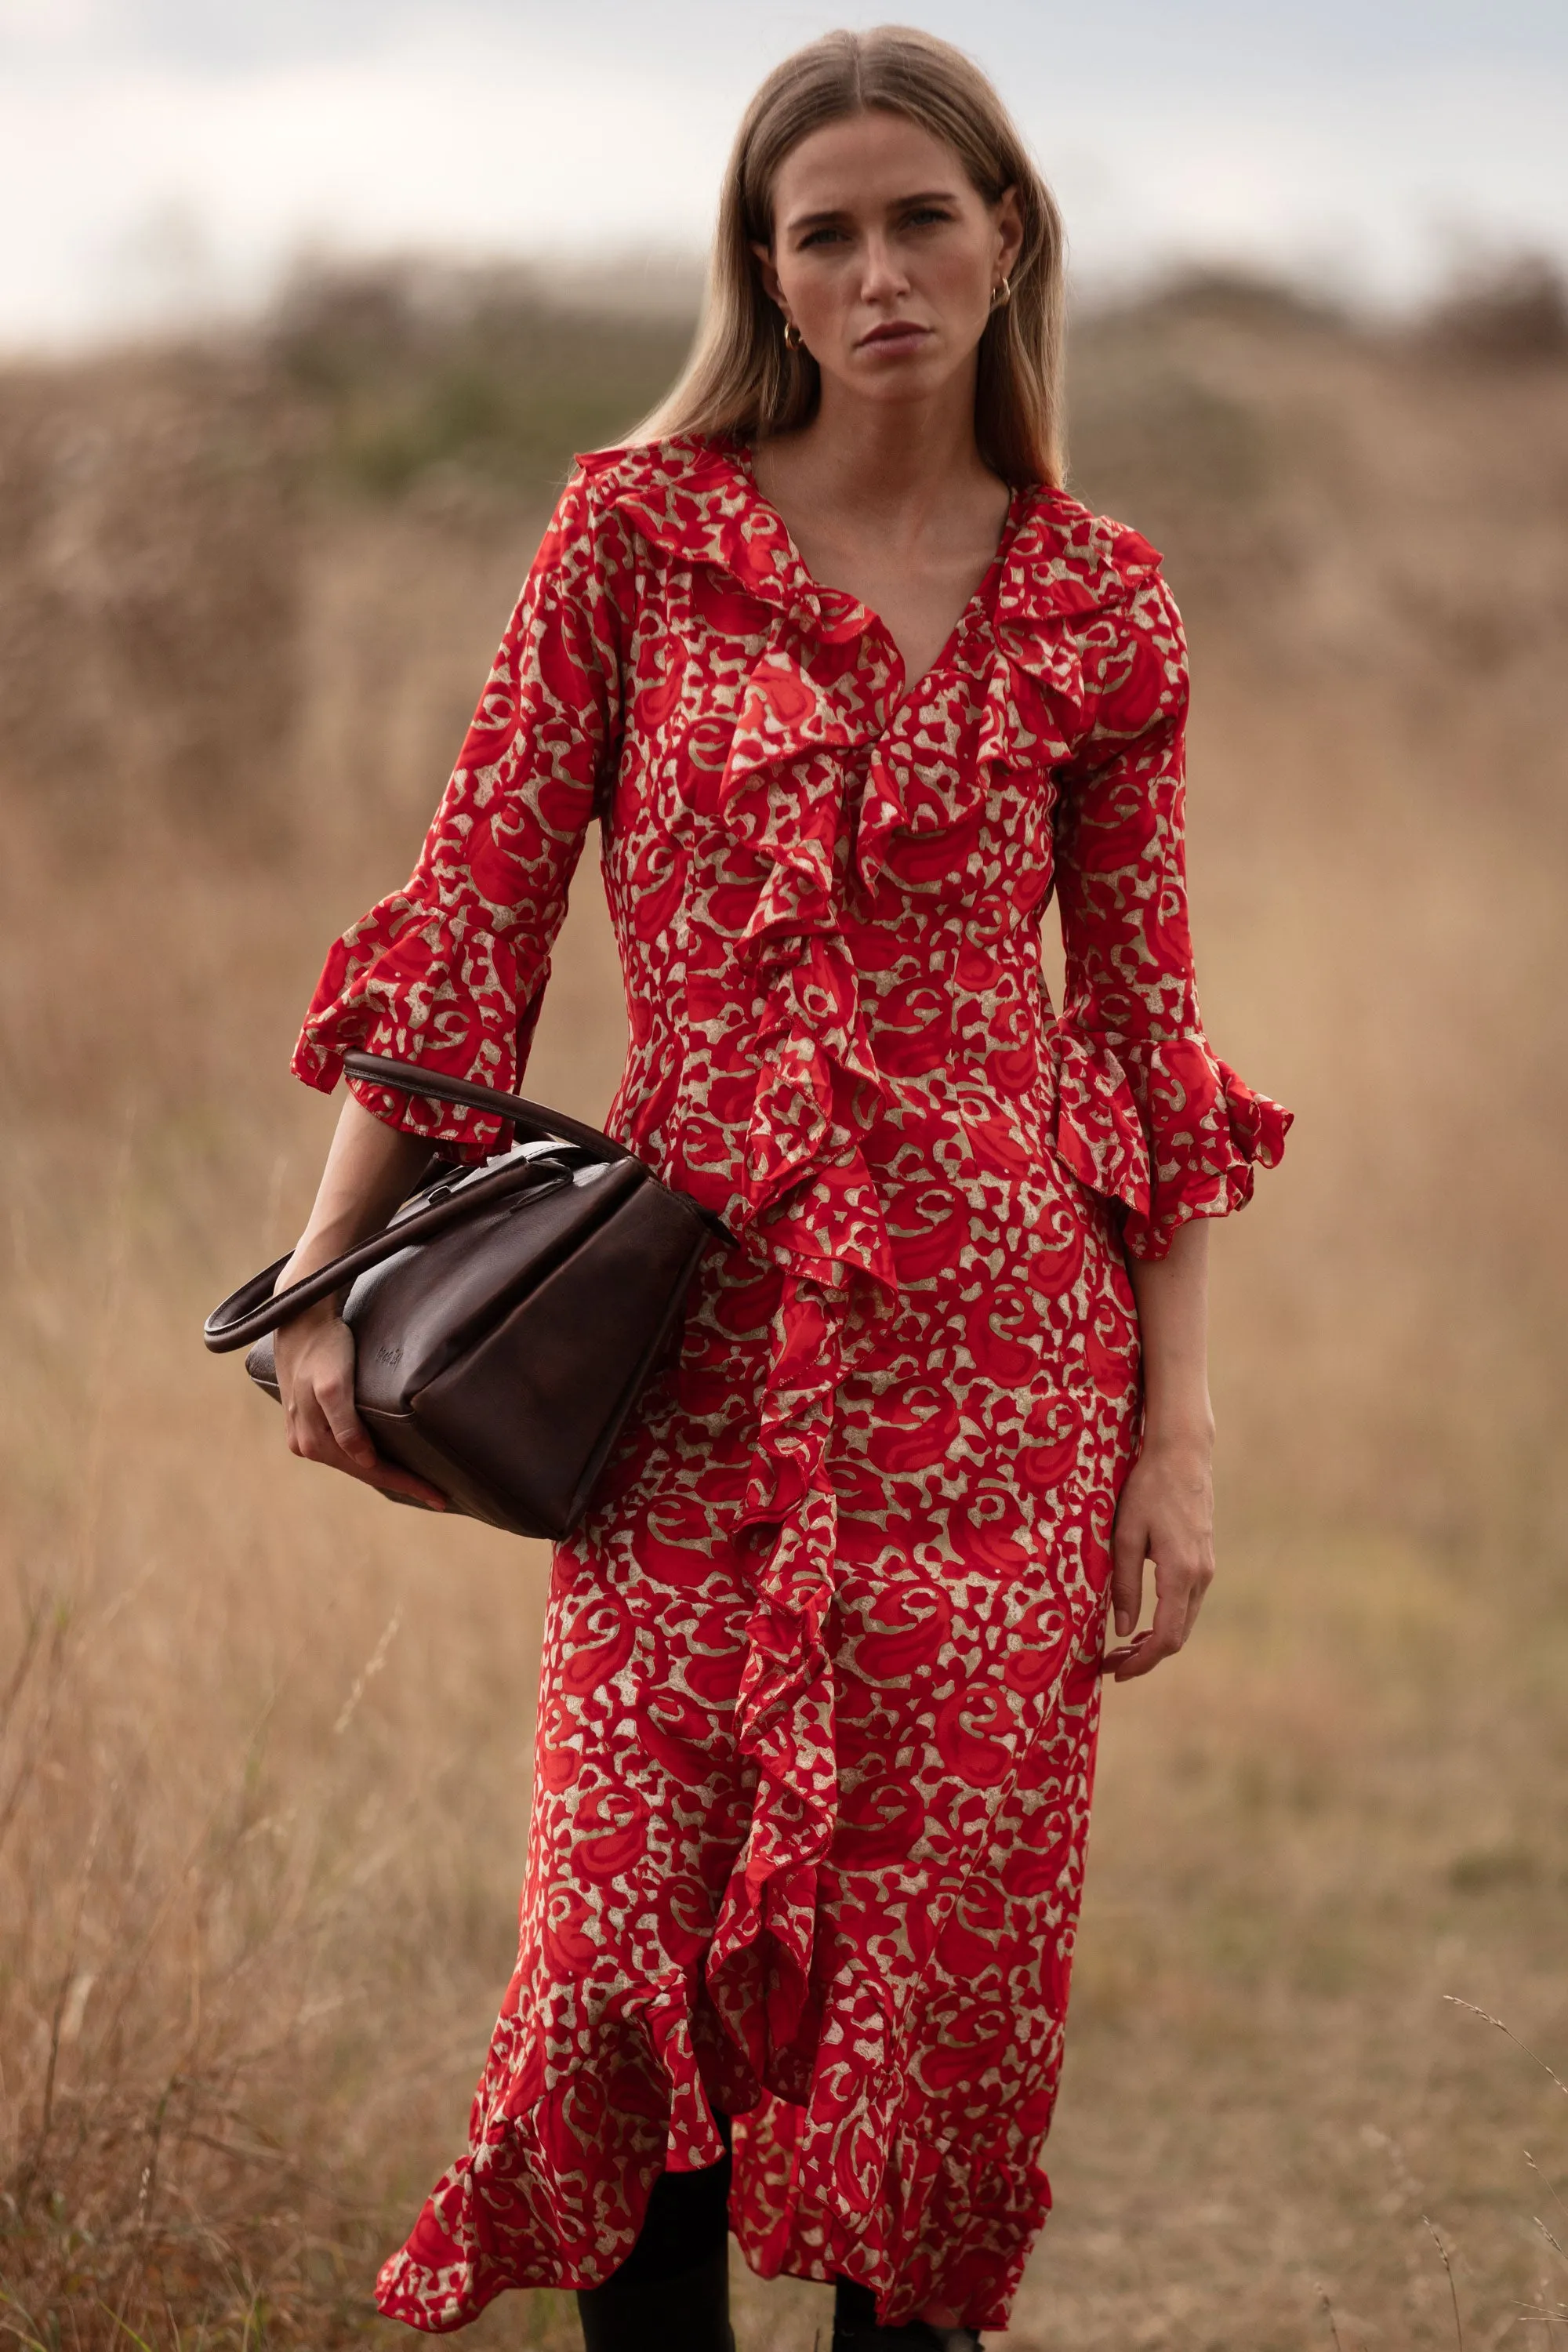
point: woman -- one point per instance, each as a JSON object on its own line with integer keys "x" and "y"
{"x": 851, "y": 686}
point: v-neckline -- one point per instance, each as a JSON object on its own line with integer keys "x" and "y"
{"x": 977, "y": 605}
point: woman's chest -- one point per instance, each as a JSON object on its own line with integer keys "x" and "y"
{"x": 791, "y": 732}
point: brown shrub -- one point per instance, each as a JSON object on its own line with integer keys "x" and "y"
{"x": 1511, "y": 313}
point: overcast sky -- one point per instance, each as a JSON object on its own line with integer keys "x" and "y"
{"x": 156, "y": 154}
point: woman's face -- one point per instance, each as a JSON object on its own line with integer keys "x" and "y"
{"x": 885, "y": 255}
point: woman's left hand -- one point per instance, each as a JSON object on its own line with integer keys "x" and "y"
{"x": 1166, "y": 1516}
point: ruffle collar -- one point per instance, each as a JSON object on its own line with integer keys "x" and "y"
{"x": 827, "y": 696}
{"x": 699, "y": 499}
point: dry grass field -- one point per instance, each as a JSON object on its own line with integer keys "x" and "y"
{"x": 264, "y": 1746}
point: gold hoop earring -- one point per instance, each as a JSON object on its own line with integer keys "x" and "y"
{"x": 792, "y": 339}
{"x": 1002, "y": 295}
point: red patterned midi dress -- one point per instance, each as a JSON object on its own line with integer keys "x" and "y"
{"x": 818, "y": 1704}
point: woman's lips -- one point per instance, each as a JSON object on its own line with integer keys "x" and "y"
{"x": 903, "y": 337}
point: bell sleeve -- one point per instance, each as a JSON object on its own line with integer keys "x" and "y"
{"x": 1147, "y": 1113}
{"x": 450, "y": 971}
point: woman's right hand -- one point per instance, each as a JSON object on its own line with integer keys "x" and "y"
{"x": 369, "y": 1170}
{"x": 314, "y": 1356}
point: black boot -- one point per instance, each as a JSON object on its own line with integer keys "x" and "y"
{"x": 672, "y": 2291}
{"x": 687, "y": 2313}
{"x": 855, "y": 2327}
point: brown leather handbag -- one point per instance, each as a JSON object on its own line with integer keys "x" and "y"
{"x": 509, "y": 1315}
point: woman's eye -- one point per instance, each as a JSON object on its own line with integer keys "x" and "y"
{"x": 926, "y": 213}
{"x": 818, "y": 237}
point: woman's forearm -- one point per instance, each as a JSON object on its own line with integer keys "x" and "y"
{"x": 370, "y": 1168}
{"x": 1173, "y": 1314}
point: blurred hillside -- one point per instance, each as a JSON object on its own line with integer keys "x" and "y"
{"x": 263, "y": 1751}
{"x": 246, "y": 593}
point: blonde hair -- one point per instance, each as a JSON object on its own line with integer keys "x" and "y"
{"x": 743, "y": 382}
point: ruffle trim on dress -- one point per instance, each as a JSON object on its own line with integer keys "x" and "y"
{"x": 1184, "y": 1143}
{"x": 806, "y": 1198}
{"x": 1207, "y": 1152}
{"x": 409, "y": 983}
{"x": 503, "y": 2216}
{"x": 1096, "y": 1130}
{"x": 931, "y": 2219}
{"x": 926, "y": 779}
{"x": 758, "y": 1966}
{"x": 1063, "y": 565}
{"x": 866, "y": 2193}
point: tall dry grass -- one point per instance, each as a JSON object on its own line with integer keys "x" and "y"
{"x": 264, "y": 1746}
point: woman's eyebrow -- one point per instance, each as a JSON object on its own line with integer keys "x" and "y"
{"x": 834, "y": 213}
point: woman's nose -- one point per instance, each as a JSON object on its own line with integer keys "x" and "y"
{"x": 883, "y": 275}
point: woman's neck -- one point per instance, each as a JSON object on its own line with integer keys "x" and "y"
{"x": 894, "y": 506}
{"x": 877, "y": 465}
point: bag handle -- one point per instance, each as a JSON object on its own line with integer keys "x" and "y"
{"x": 252, "y": 1310}
{"x": 527, "y": 1118}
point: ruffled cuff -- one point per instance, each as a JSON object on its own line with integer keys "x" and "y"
{"x": 405, "y": 982}
{"x": 1180, "y": 1140}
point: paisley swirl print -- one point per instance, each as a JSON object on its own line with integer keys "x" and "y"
{"x": 819, "y": 1690}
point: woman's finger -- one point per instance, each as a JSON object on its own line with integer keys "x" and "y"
{"x": 1177, "y": 1592}
{"x": 311, "y": 1432}
{"x": 1142, "y": 1656}
{"x": 1169, "y": 1630}
{"x": 1122, "y": 1665}
{"x": 311, "y": 1435}
{"x": 1128, "y": 1548}
{"x": 352, "y": 1440}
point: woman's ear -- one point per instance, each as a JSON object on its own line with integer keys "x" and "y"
{"x": 770, "y": 276}
{"x": 1009, "y": 229}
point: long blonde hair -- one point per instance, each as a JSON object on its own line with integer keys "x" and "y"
{"x": 743, "y": 381}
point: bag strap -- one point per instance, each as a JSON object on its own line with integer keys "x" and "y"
{"x": 252, "y": 1310}
{"x": 530, "y": 1120}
